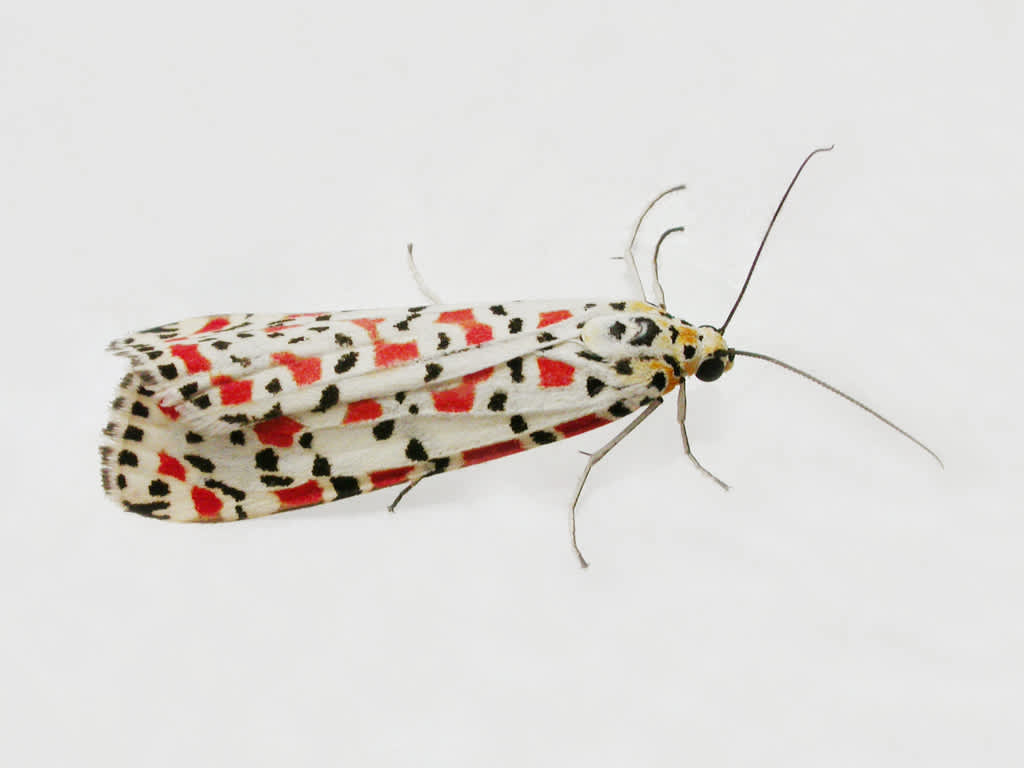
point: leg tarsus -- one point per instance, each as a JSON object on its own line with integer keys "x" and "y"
{"x": 401, "y": 494}
{"x": 681, "y": 417}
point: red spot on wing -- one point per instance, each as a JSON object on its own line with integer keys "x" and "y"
{"x": 169, "y": 411}
{"x": 369, "y": 325}
{"x": 363, "y": 410}
{"x": 385, "y": 355}
{"x": 554, "y": 373}
{"x": 276, "y": 328}
{"x": 189, "y": 353}
{"x": 386, "y": 477}
{"x": 582, "y": 424}
{"x": 303, "y": 495}
{"x": 476, "y": 332}
{"x": 233, "y": 392}
{"x": 550, "y": 318}
{"x": 479, "y": 334}
{"x": 214, "y": 324}
{"x": 279, "y": 432}
{"x": 489, "y": 452}
{"x": 171, "y": 467}
{"x": 206, "y": 502}
{"x": 459, "y": 399}
{"x": 461, "y": 317}
{"x": 305, "y": 370}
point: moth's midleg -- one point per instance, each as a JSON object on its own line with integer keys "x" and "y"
{"x": 681, "y": 418}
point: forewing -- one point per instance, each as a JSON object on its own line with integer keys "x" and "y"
{"x": 220, "y": 372}
{"x": 158, "y": 465}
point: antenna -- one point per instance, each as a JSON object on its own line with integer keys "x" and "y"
{"x": 768, "y": 231}
{"x": 830, "y": 388}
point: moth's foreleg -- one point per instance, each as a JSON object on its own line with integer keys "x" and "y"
{"x": 594, "y": 458}
{"x": 681, "y": 418}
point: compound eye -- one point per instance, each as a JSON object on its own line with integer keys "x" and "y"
{"x": 710, "y": 369}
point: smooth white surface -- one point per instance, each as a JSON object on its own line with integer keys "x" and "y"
{"x": 847, "y": 603}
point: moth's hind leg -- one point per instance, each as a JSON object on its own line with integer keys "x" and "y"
{"x": 401, "y": 494}
{"x": 432, "y": 297}
{"x": 594, "y": 458}
{"x": 412, "y": 484}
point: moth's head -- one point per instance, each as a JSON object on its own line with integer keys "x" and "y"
{"x": 714, "y": 357}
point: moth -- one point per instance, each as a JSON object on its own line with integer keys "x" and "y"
{"x": 232, "y": 416}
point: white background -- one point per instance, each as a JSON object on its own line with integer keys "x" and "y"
{"x": 848, "y": 603}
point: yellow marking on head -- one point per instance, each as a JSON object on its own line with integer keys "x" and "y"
{"x": 686, "y": 335}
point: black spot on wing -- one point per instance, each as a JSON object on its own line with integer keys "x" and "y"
{"x": 415, "y": 451}
{"x": 329, "y": 398}
{"x": 159, "y": 488}
{"x": 267, "y": 460}
{"x": 345, "y": 486}
{"x": 272, "y": 481}
{"x": 149, "y": 509}
{"x": 619, "y": 409}
{"x": 201, "y": 463}
{"x": 515, "y": 365}
{"x": 234, "y": 493}
{"x": 345, "y": 362}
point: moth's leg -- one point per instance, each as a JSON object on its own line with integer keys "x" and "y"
{"x": 630, "y": 257}
{"x": 412, "y": 484}
{"x": 594, "y": 458}
{"x": 432, "y": 297}
{"x": 681, "y": 417}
